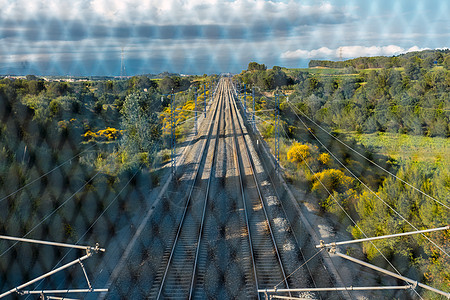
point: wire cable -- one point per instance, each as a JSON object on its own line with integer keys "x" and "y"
{"x": 309, "y": 259}
{"x": 55, "y": 168}
{"x": 369, "y": 160}
{"x": 49, "y": 215}
{"x": 351, "y": 219}
{"x": 92, "y": 225}
{"x": 367, "y": 187}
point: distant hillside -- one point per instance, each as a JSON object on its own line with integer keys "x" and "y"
{"x": 427, "y": 58}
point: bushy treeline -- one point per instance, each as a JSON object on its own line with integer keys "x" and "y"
{"x": 428, "y": 58}
{"x": 408, "y": 101}
{"x": 64, "y": 118}
{"x": 258, "y": 75}
{"x": 392, "y": 207}
{"x": 73, "y": 150}
{"x": 379, "y": 100}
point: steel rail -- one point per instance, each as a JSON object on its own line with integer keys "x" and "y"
{"x": 191, "y": 288}
{"x": 252, "y": 167}
{"x": 180, "y": 225}
{"x": 247, "y": 153}
{"x": 241, "y": 185}
{"x": 264, "y": 163}
{"x": 272, "y": 181}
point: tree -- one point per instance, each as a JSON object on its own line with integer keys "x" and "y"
{"x": 140, "y": 124}
{"x": 412, "y": 67}
{"x": 447, "y": 62}
{"x": 276, "y": 68}
{"x": 254, "y": 66}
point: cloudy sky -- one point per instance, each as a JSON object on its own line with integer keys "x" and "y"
{"x": 86, "y": 37}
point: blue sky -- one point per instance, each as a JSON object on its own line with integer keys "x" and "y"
{"x": 86, "y": 37}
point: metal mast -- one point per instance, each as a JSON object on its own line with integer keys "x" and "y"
{"x": 254, "y": 112}
{"x": 172, "y": 135}
{"x": 122, "y": 65}
{"x": 195, "y": 108}
{"x": 277, "y": 128}
{"x": 204, "y": 98}
{"x": 245, "y": 100}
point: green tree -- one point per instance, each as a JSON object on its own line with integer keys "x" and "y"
{"x": 447, "y": 62}
{"x": 254, "y": 66}
{"x": 140, "y": 124}
{"x": 412, "y": 67}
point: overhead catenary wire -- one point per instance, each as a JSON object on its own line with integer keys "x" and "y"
{"x": 369, "y": 160}
{"x": 306, "y": 262}
{"x": 154, "y": 147}
{"x": 96, "y": 220}
{"x": 346, "y": 214}
{"x": 367, "y": 187}
{"x": 45, "y": 174}
{"x": 350, "y": 218}
{"x": 56, "y": 209}
{"x": 116, "y": 271}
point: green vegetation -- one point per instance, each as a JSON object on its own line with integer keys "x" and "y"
{"x": 75, "y": 149}
{"x": 396, "y": 112}
{"x": 426, "y": 59}
{"x": 406, "y": 148}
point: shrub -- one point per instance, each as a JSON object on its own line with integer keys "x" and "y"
{"x": 330, "y": 180}
{"x": 298, "y": 153}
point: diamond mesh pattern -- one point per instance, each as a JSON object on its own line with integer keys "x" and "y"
{"x": 77, "y": 203}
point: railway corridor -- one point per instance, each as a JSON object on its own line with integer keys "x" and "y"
{"x": 221, "y": 232}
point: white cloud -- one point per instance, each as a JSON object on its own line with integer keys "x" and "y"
{"x": 348, "y": 52}
{"x": 171, "y": 12}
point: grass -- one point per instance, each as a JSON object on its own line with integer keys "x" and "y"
{"x": 407, "y": 148}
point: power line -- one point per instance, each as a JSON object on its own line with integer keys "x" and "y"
{"x": 350, "y": 218}
{"x": 98, "y": 218}
{"x": 55, "y": 168}
{"x": 371, "y": 161}
{"x": 366, "y": 186}
{"x": 56, "y": 209}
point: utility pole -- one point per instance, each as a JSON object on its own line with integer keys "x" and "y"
{"x": 204, "y": 98}
{"x": 277, "y": 129}
{"x": 172, "y": 135}
{"x": 211, "y": 88}
{"x": 195, "y": 126}
{"x": 254, "y": 112}
{"x": 245, "y": 100}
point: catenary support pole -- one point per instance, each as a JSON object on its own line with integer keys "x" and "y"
{"x": 245, "y": 101}
{"x": 204, "y": 99}
{"x": 172, "y": 135}
{"x": 195, "y": 108}
{"x": 254, "y": 112}
{"x": 277, "y": 129}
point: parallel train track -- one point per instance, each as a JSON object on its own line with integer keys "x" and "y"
{"x": 184, "y": 265}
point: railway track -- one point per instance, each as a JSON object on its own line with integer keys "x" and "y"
{"x": 268, "y": 266}
{"x": 176, "y": 279}
{"x": 225, "y": 244}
